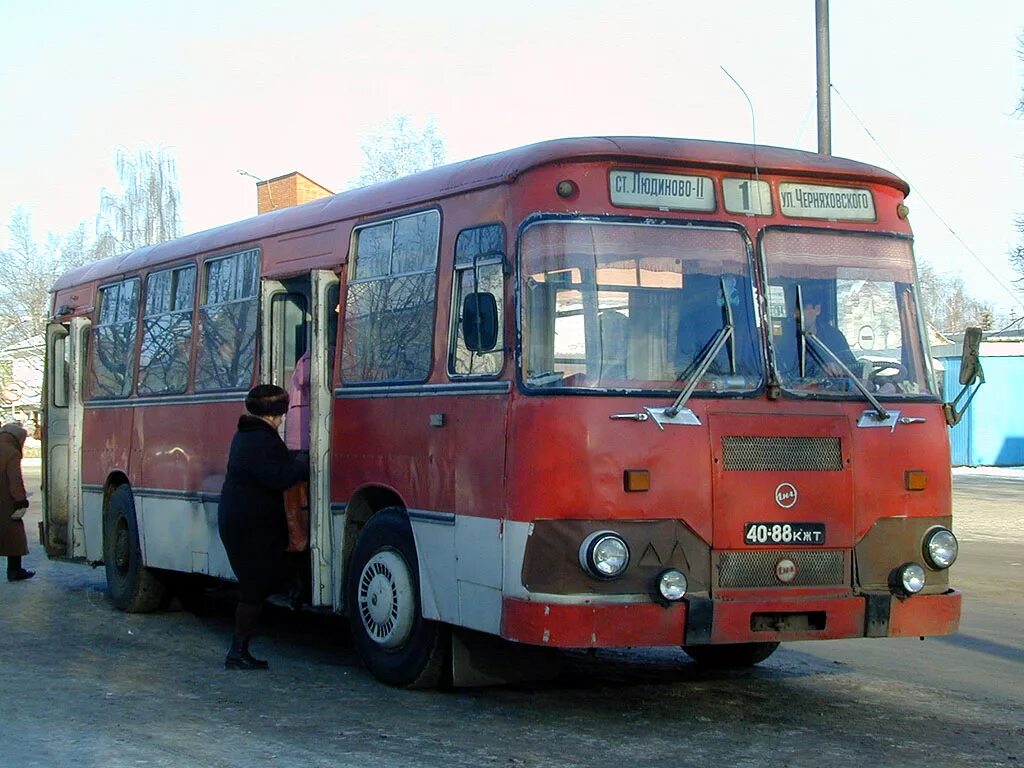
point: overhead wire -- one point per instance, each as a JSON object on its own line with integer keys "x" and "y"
{"x": 927, "y": 204}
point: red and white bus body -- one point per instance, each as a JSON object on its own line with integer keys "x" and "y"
{"x": 504, "y": 473}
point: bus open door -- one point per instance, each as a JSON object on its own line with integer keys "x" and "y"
{"x": 63, "y": 531}
{"x": 303, "y": 318}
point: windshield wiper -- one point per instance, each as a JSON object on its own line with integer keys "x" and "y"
{"x": 726, "y": 333}
{"x": 821, "y": 346}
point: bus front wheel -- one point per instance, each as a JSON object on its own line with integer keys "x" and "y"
{"x": 383, "y": 597}
{"x": 730, "y": 655}
{"x": 133, "y": 587}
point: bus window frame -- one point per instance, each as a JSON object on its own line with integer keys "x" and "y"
{"x": 189, "y": 381}
{"x": 201, "y": 296}
{"x": 90, "y": 347}
{"x": 681, "y": 223}
{"x": 489, "y": 258}
{"x": 351, "y": 279}
{"x": 853, "y": 395}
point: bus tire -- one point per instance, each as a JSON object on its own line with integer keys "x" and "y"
{"x": 132, "y": 587}
{"x": 399, "y": 646}
{"x": 731, "y": 655}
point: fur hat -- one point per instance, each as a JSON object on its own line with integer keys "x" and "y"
{"x": 15, "y": 428}
{"x": 267, "y": 400}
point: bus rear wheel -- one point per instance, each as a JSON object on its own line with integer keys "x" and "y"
{"x": 732, "y": 655}
{"x": 399, "y": 646}
{"x": 133, "y": 587}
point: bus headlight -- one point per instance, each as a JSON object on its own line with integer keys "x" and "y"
{"x": 604, "y": 554}
{"x": 672, "y": 585}
{"x": 940, "y": 548}
{"x": 908, "y": 579}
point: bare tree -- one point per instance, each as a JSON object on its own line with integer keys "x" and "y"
{"x": 27, "y": 270}
{"x": 147, "y": 211}
{"x": 148, "y": 208}
{"x": 946, "y": 303}
{"x": 398, "y": 148}
{"x": 1016, "y": 254}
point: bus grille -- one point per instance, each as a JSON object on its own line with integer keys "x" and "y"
{"x": 777, "y": 454}
{"x": 814, "y": 568}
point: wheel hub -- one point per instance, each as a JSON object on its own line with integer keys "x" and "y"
{"x": 385, "y": 599}
{"x": 121, "y": 549}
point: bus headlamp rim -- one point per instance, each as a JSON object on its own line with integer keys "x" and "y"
{"x": 589, "y": 549}
{"x": 929, "y": 554}
{"x": 662, "y": 589}
{"x": 908, "y": 579}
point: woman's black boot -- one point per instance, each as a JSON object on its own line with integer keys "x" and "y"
{"x": 239, "y": 657}
{"x": 15, "y": 572}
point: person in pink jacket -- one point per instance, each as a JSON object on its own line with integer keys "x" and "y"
{"x": 296, "y": 426}
{"x": 296, "y": 498}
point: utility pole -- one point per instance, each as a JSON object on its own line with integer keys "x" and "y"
{"x": 824, "y": 78}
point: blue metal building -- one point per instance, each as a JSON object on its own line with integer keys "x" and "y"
{"x": 992, "y": 431}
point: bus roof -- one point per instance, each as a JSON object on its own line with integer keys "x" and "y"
{"x": 479, "y": 173}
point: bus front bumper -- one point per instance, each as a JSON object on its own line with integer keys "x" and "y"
{"x": 702, "y": 621}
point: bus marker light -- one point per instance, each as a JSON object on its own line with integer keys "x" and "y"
{"x": 567, "y": 189}
{"x": 915, "y": 479}
{"x": 636, "y": 480}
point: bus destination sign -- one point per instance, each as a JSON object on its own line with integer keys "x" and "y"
{"x": 811, "y": 201}
{"x": 664, "y": 191}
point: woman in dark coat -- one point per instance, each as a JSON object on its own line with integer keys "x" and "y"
{"x": 13, "y": 501}
{"x": 251, "y": 515}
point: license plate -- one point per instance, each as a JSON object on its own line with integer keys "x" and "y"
{"x": 784, "y": 533}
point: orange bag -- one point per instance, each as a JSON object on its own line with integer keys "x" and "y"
{"x": 296, "y": 512}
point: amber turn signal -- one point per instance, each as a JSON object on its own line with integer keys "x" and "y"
{"x": 636, "y": 480}
{"x": 915, "y": 479}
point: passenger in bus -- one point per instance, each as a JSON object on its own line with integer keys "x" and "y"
{"x": 13, "y": 501}
{"x": 296, "y": 426}
{"x": 296, "y": 498}
{"x": 825, "y": 330}
{"x": 251, "y": 516}
{"x": 821, "y": 324}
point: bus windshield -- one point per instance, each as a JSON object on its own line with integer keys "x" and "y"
{"x": 859, "y": 315}
{"x": 612, "y": 305}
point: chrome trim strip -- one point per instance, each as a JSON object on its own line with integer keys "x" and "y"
{"x": 166, "y": 493}
{"x": 160, "y": 493}
{"x": 141, "y": 402}
{"x": 429, "y": 516}
{"x": 425, "y": 390}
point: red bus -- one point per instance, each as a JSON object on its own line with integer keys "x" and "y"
{"x": 588, "y": 393}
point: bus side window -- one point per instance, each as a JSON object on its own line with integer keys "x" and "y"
{"x": 60, "y": 372}
{"x": 111, "y": 365}
{"x": 479, "y": 268}
{"x": 389, "y": 305}
{"x": 333, "y": 311}
{"x": 226, "y": 354}
{"x": 288, "y": 341}
{"x": 167, "y": 331}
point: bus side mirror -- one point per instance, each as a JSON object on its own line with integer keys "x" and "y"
{"x": 970, "y": 373}
{"x": 480, "y": 321}
{"x": 970, "y": 365}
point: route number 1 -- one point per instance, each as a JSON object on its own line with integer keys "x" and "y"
{"x": 747, "y": 196}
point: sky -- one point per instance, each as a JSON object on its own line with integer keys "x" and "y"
{"x": 924, "y": 88}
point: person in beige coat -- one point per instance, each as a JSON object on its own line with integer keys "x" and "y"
{"x": 13, "y": 501}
